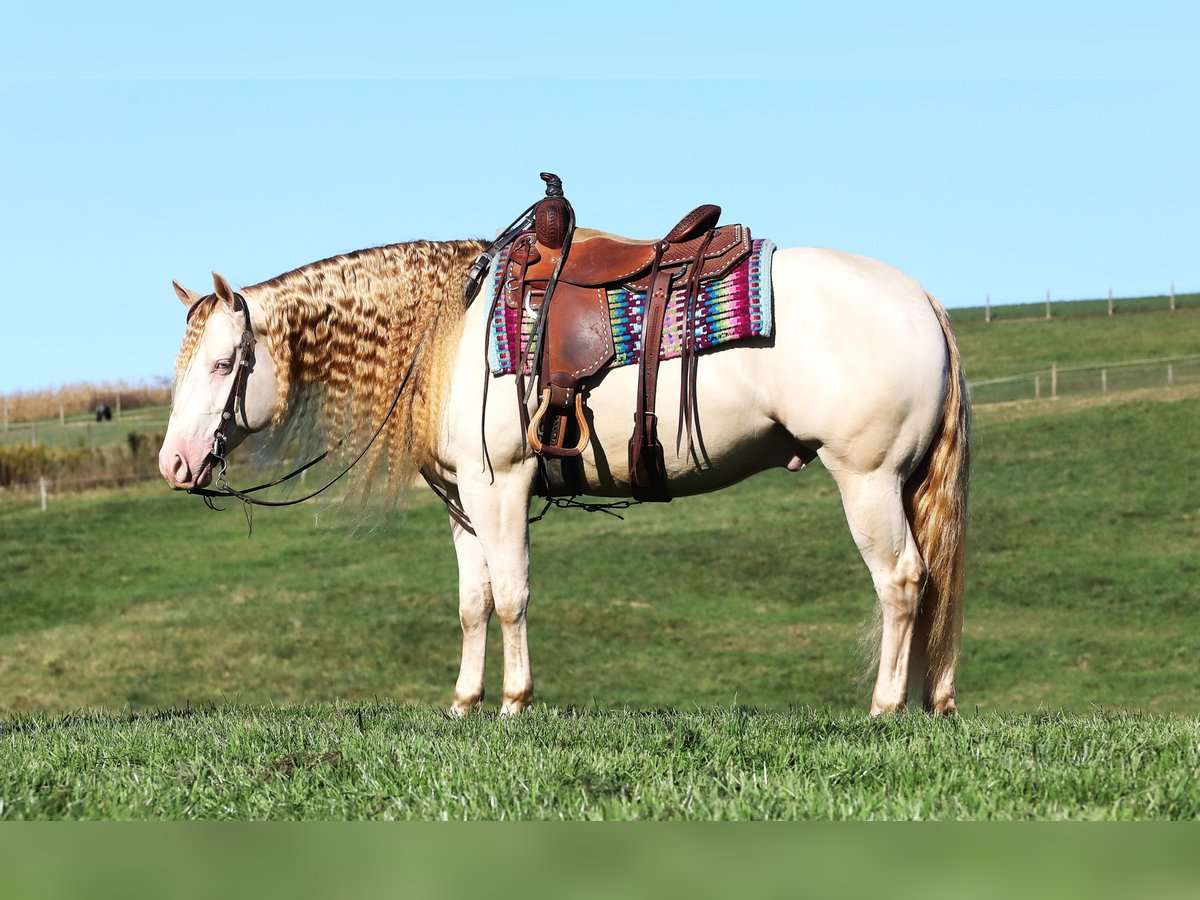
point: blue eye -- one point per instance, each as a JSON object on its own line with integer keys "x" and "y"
{"x": 223, "y": 365}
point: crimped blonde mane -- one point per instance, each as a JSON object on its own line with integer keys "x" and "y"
{"x": 342, "y": 333}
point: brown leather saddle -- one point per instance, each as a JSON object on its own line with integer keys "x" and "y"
{"x": 562, "y": 276}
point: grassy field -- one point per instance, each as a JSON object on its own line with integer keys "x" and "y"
{"x": 382, "y": 761}
{"x": 676, "y": 653}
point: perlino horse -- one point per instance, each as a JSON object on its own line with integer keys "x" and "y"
{"x": 862, "y": 371}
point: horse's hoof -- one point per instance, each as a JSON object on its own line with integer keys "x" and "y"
{"x": 944, "y": 708}
{"x": 461, "y": 708}
{"x": 515, "y": 706}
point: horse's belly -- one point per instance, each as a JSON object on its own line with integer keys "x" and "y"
{"x": 733, "y": 434}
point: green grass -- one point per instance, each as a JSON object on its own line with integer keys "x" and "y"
{"x": 676, "y": 654}
{"x": 382, "y": 761}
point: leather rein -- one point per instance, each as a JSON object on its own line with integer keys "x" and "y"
{"x": 237, "y": 391}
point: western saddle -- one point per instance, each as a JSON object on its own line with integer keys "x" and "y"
{"x": 562, "y": 277}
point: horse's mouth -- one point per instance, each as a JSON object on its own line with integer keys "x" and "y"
{"x": 204, "y": 476}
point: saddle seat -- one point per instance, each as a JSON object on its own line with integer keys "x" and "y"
{"x": 598, "y": 257}
{"x": 601, "y": 259}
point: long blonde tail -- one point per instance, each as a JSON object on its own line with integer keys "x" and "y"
{"x": 937, "y": 506}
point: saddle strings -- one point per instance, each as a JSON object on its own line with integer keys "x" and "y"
{"x": 688, "y": 410}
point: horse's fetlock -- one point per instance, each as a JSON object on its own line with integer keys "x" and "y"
{"x": 465, "y": 703}
{"x": 516, "y": 702}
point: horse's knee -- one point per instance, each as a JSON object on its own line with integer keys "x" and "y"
{"x": 511, "y": 602}
{"x": 475, "y": 611}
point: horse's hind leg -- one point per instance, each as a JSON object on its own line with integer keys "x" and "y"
{"x": 475, "y": 606}
{"x": 875, "y": 512}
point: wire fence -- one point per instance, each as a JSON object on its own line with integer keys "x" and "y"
{"x": 81, "y": 432}
{"x": 1092, "y": 380}
{"x": 1062, "y": 308}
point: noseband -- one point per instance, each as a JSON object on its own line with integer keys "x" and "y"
{"x": 217, "y": 454}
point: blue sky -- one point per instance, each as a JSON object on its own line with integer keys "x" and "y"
{"x": 1006, "y": 152}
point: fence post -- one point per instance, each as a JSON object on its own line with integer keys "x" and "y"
{"x": 1047, "y": 304}
{"x": 42, "y": 486}
{"x": 1170, "y": 374}
{"x": 987, "y": 307}
{"x": 1054, "y": 381}
{"x": 1104, "y": 381}
{"x": 1172, "y": 296}
{"x": 62, "y": 414}
{"x": 1037, "y": 387}
{"x": 1110, "y": 306}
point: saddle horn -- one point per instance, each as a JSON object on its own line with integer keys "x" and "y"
{"x": 550, "y": 219}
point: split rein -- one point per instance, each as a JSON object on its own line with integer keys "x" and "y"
{"x": 229, "y": 415}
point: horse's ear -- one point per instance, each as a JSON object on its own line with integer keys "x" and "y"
{"x": 189, "y": 298}
{"x": 222, "y": 289}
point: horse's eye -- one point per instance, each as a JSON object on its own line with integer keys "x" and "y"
{"x": 223, "y": 366}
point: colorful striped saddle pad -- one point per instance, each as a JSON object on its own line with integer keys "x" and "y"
{"x": 730, "y": 309}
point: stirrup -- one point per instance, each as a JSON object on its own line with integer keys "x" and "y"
{"x": 585, "y": 434}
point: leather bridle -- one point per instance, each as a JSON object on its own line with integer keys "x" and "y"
{"x": 237, "y": 392}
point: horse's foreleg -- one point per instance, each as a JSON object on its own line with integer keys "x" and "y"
{"x": 875, "y": 512}
{"x": 475, "y": 605}
{"x": 499, "y": 515}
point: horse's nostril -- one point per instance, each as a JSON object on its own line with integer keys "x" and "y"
{"x": 177, "y": 470}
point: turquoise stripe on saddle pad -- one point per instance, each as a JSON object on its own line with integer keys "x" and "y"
{"x": 730, "y": 309}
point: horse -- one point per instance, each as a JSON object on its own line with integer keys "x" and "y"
{"x": 862, "y": 371}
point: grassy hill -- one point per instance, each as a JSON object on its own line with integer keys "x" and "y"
{"x": 1082, "y": 595}
{"x": 1006, "y": 347}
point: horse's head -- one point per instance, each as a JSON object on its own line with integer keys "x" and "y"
{"x": 225, "y": 388}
